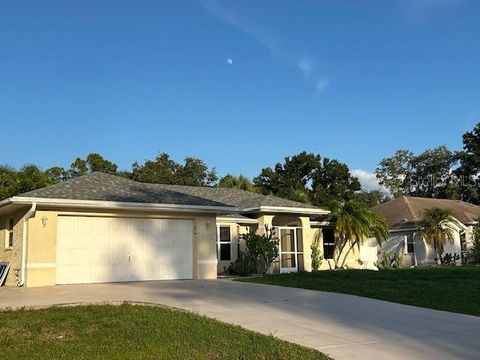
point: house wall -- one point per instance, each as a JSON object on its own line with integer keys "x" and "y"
{"x": 12, "y": 255}
{"x": 41, "y": 245}
{"x": 424, "y": 254}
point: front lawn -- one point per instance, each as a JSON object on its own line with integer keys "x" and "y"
{"x": 133, "y": 332}
{"x": 455, "y": 289}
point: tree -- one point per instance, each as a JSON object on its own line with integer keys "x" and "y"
{"x": 372, "y": 197}
{"x": 393, "y": 172}
{"x": 436, "y": 227}
{"x": 332, "y": 182}
{"x": 428, "y": 174}
{"x": 239, "y": 182}
{"x": 354, "y": 222}
{"x": 469, "y": 169}
{"x": 308, "y": 178}
{"x": 163, "y": 170}
{"x": 29, "y": 177}
{"x": 93, "y": 162}
{"x": 9, "y": 182}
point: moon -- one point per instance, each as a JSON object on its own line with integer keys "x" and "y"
{"x": 229, "y": 61}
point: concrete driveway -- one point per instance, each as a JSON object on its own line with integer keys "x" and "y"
{"x": 342, "y": 326}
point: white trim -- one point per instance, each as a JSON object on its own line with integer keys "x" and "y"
{"x": 116, "y": 205}
{"x": 283, "y": 209}
{"x": 220, "y": 243}
{"x": 41, "y": 265}
{"x": 237, "y": 220}
{"x": 321, "y": 223}
{"x": 207, "y": 262}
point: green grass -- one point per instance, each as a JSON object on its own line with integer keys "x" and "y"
{"x": 133, "y": 332}
{"x": 455, "y": 289}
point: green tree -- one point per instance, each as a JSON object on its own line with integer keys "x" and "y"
{"x": 239, "y": 182}
{"x": 354, "y": 222}
{"x": 437, "y": 226}
{"x": 469, "y": 168}
{"x": 428, "y": 174}
{"x": 394, "y": 172}
{"x": 372, "y": 197}
{"x": 9, "y": 181}
{"x": 333, "y": 182}
{"x": 262, "y": 249}
{"x": 27, "y": 178}
{"x": 308, "y": 178}
{"x": 164, "y": 170}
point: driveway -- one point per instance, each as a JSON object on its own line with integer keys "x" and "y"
{"x": 342, "y": 326}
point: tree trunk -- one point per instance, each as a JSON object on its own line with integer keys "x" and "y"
{"x": 348, "y": 252}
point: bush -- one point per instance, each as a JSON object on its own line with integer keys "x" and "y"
{"x": 473, "y": 254}
{"x": 448, "y": 259}
{"x": 316, "y": 257}
{"x": 390, "y": 262}
{"x": 260, "y": 252}
{"x": 244, "y": 265}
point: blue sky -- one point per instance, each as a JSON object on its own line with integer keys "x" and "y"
{"x": 352, "y": 80}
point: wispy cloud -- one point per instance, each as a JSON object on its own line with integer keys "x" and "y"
{"x": 269, "y": 41}
{"x": 368, "y": 180}
{"x": 420, "y": 9}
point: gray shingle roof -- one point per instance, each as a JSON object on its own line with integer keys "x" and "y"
{"x": 105, "y": 187}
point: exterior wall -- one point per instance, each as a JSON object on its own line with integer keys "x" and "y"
{"x": 41, "y": 244}
{"x": 424, "y": 254}
{"x": 14, "y": 254}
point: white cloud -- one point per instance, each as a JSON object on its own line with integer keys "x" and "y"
{"x": 305, "y": 66}
{"x": 367, "y": 179}
{"x": 322, "y": 84}
{"x": 268, "y": 40}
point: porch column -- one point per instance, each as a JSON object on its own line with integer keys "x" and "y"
{"x": 308, "y": 236}
{"x": 262, "y": 221}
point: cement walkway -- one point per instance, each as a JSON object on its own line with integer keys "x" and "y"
{"x": 342, "y": 326}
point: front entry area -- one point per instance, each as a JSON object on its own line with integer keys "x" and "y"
{"x": 291, "y": 249}
{"x": 110, "y": 249}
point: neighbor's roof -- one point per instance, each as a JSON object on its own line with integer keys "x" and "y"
{"x": 404, "y": 211}
{"x": 104, "y": 187}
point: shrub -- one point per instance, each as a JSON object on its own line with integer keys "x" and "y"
{"x": 260, "y": 252}
{"x": 473, "y": 254}
{"x": 244, "y": 265}
{"x": 447, "y": 259}
{"x": 388, "y": 262}
{"x": 316, "y": 257}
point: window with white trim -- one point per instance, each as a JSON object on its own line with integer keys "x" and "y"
{"x": 224, "y": 243}
{"x": 410, "y": 248}
{"x": 9, "y": 237}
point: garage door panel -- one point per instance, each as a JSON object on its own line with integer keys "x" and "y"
{"x": 102, "y": 249}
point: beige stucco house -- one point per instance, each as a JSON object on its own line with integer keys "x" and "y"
{"x": 404, "y": 212}
{"x": 104, "y": 228}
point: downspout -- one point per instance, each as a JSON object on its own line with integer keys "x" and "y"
{"x": 23, "y": 265}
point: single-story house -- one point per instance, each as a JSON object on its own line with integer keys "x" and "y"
{"x": 404, "y": 212}
{"x": 105, "y": 228}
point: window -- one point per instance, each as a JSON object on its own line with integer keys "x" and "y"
{"x": 410, "y": 246}
{"x": 224, "y": 244}
{"x": 9, "y": 242}
{"x": 328, "y": 243}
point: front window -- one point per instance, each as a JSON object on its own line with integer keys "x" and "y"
{"x": 410, "y": 246}
{"x": 9, "y": 242}
{"x": 328, "y": 243}
{"x": 224, "y": 243}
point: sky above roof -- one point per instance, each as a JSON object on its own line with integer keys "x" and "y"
{"x": 238, "y": 84}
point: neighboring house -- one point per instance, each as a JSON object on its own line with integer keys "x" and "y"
{"x": 104, "y": 228}
{"x": 404, "y": 212}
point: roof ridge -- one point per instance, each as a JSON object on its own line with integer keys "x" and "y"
{"x": 409, "y": 207}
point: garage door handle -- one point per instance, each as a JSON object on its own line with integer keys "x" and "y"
{"x": 128, "y": 258}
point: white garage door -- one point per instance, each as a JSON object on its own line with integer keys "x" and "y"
{"x": 105, "y": 249}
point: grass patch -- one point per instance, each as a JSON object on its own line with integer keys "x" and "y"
{"x": 133, "y": 332}
{"x": 455, "y": 289}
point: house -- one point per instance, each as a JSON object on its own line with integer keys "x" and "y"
{"x": 404, "y": 212}
{"x": 105, "y": 228}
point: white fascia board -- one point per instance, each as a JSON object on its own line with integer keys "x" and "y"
{"x": 321, "y": 223}
{"x": 283, "y": 209}
{"x": 236, "y": 220}
{"x": 121, "y": 205}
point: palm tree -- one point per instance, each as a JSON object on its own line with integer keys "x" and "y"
{"x": 436, "y": 227}
{"x": 355, "y": 222}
